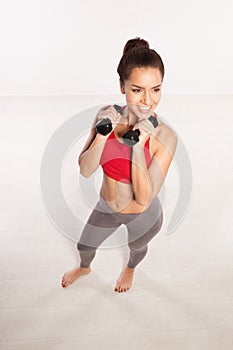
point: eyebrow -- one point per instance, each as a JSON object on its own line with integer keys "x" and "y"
{"x": 140, "y": 87}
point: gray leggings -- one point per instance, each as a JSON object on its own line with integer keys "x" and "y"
{"x": 103, "y": 221}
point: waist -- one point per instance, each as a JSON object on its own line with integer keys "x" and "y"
{"x": 131, "y": 208}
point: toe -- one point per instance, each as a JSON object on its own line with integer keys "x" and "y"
{"x": 63, "y": 278}
{"x": 64, "y": 282}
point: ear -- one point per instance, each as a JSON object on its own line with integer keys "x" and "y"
{"x": 122, "y": 87}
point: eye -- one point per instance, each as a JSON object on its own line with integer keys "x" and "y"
{"x": 156, "y": 90}
{"x": 136, "y": 90}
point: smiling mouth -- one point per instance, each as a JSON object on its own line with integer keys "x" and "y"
{"x": 143, "y": 109}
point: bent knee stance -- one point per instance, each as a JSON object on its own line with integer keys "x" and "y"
{"x": 86, "y": 253}
{"x": 139, "y": 247}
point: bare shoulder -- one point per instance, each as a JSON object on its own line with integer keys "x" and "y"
{"x": 167, "y": 133}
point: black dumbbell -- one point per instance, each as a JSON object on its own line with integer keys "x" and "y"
{"x": 131, "y": 137}
{"x": 104, "y": 126}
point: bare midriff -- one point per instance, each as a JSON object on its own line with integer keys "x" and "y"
{"x": 119, "y": 196}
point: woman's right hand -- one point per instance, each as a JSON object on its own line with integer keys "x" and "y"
{"x": 110, "y": 113}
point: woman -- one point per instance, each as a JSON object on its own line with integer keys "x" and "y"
{"x": 133, "y": 175}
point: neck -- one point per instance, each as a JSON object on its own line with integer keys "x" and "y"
{"x": 132, "y": 118}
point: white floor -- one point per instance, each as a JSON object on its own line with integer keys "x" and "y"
{"x": 182, "y": 297}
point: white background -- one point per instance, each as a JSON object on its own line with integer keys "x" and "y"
{"x": 181, "y": 296}
{"x": 73, "y": 46}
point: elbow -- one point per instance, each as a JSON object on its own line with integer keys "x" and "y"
{"x": 143, "y": 196}
{"x": 142, "y": 200}
{"x": 142, "y": 203}
{"x": 85, "y": 172}
{"x": 145, "y": 201}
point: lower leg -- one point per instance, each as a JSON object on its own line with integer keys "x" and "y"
{"x": 86, "y": 255}
{"x": 136, "y": 256}
{"x": 126, "y": 278}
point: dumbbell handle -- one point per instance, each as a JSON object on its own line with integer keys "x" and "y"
{"x": 154, "y": 121}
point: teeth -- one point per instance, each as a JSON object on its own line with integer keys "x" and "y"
{"x": 144, "y": 108}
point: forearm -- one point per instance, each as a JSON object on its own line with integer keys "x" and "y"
{"x": 140, "y": 176}
{"x": 90, "y": 159}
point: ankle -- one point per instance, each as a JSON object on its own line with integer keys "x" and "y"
{"x": 84, "y": 268}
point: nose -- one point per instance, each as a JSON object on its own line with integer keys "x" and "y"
{"x": 146, "y": 98}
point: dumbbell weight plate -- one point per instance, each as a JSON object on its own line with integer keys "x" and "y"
{"x": 130, "y": 138}
{"x": 104, "y": 126}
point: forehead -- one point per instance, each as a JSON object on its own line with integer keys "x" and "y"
{"x": 145, "y": 75}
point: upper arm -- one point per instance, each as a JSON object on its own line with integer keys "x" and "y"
{"x": 166, "y": 144}
{"x": 165, "y": 151}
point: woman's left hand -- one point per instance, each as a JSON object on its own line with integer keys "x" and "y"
{"x": 146, "y": 130}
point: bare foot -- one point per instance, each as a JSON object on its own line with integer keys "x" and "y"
{"x": 70, "y": 276}
{"x": 125, "y": 280}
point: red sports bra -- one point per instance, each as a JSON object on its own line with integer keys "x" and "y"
{"x": 116, "y": 159}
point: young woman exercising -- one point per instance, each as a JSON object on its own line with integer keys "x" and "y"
{"x": 133, "y": 173}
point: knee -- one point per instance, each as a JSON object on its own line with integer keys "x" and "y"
{"x": 83, "y": 247}
{"x": 156, "y": 227}
{"x": 137, "y": 247}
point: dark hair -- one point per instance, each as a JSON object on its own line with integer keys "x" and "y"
{"x": 137, "y": 54}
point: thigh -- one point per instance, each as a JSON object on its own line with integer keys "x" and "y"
{"x": 100, "y": 226}
{"x": 142, "y": 240}
{"x": 147, "y": 224}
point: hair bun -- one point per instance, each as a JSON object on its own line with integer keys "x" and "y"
{"x": 135, "y": 44}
